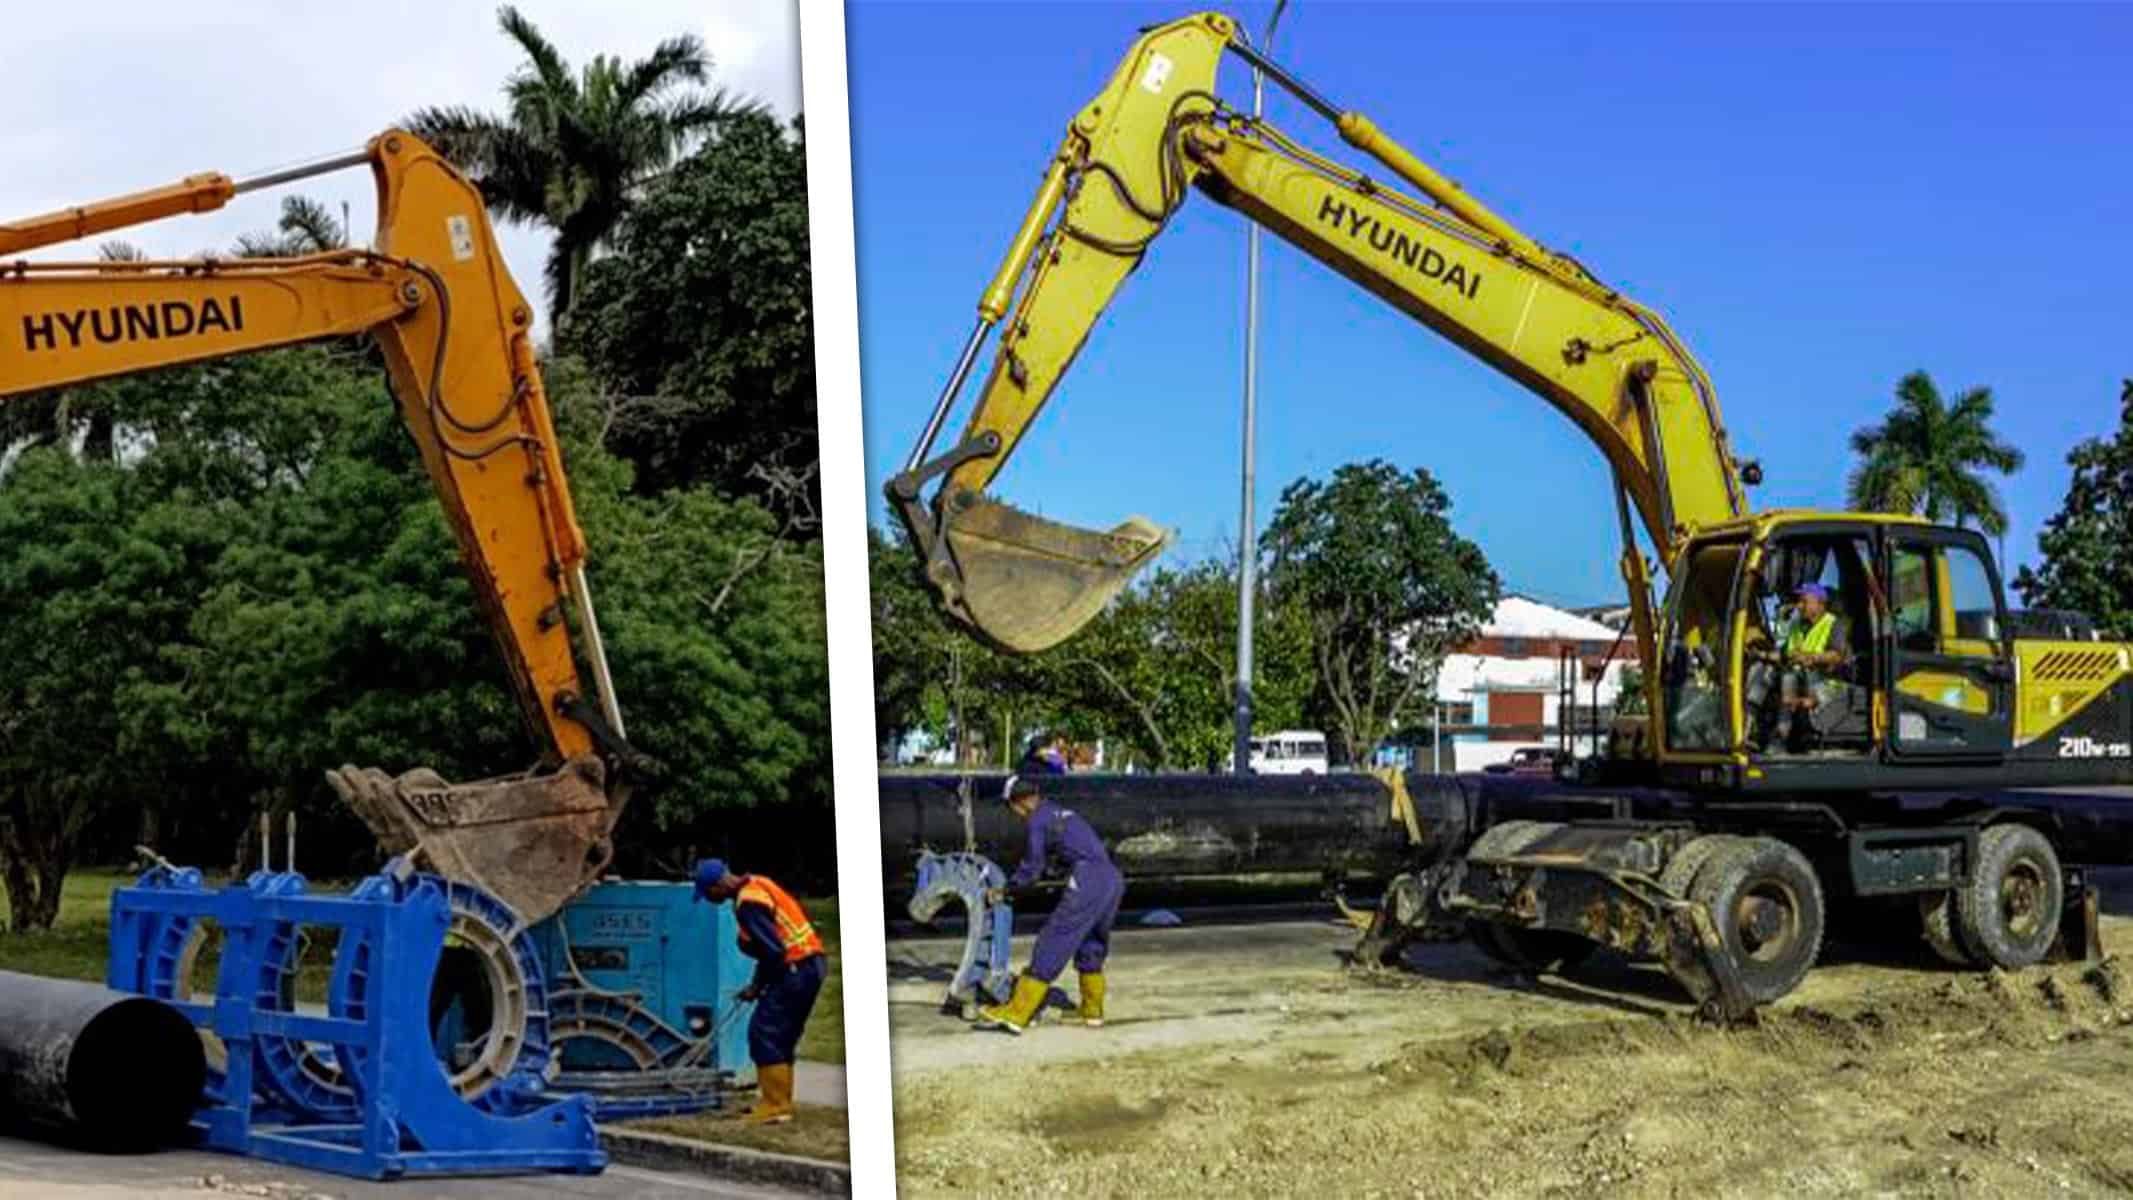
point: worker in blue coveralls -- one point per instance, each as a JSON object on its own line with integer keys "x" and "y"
{"x": 1080, "y": 928}
{"x": 789, "y": 969}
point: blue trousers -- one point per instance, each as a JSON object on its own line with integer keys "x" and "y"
{"x": 1080, "y": 928}
{"x": 781, "y": 1012}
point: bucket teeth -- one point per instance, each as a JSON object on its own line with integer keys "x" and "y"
{"x": 1028, "y": 583}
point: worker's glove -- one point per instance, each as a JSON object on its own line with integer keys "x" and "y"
{"x": 996, "y": 895}
{"x": 749, "y": 993}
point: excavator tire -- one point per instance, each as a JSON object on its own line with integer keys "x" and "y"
{"x": 2008, "y": 913}
{"x": 1680, "y": 871}
{"x": 1936, "y": 915}
{"x": 1767, "y": 903}
{"x": 1509, "y": 837}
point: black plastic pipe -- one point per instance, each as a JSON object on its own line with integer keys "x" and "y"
{"x": 1180, "y": 826}
{"x": 1185, "y": 825}
{"x": 96, "y": 1067}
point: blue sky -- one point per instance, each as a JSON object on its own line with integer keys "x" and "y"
{"x": 1819, "y": 198}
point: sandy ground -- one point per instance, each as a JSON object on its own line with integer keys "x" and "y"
{"x": 1249, "y": 1058}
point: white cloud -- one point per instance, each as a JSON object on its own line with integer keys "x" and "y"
{"x": 114, "y": 98}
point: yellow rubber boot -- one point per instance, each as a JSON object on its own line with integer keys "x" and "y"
{"x": 773, "y": 1105}
{"x": 1020, "y": 1009}
{"x": 1092, "y": 999}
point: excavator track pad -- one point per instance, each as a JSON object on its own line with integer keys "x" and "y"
{"x": 1028, "y": 583}
{"x": 532, "y": 840}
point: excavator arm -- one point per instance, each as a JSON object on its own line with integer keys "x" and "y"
{"x": 455, "y": 333}
{"x": 1157, "y": 132}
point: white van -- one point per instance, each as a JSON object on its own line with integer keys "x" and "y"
{"x": 1290, "y": 752}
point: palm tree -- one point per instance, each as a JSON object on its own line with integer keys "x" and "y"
{"x": 573, "y": 152}
{"x": 1930, "y": 457}
{"x": 306, "y": 227}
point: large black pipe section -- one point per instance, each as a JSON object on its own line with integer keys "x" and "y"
{"x": 94, "y": 1067}
{"x": 1188, "y": 826}
{"x": 1183, "y": 826}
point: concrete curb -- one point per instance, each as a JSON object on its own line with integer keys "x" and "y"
{"x": 665, "y": 1152}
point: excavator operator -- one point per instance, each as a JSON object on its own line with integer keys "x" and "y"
{"x": 1803, "y": 680}
{"x": 790, "y": 965}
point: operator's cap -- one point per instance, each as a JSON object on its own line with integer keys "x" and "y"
{"x": 708, "y": 873}
{"x": 1017, "y": 787}
{"x": 1812, "y": 589}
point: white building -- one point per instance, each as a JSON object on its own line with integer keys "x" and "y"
{"x": 1512, "y": 676}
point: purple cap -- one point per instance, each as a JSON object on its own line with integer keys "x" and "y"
{"x": 1812, "y": 589}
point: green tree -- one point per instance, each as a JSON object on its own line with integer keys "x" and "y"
{"x": 1930, "y": 457}
{"x": 94, "y": 576}
{"x": 2088, "y": 545}
{"x": 1157, "y": 668}
{"x": 575, "y": 152}
{"x": 699, "y": 324}
{"x": 932, "y": 678}
{"x": 306, "y": 227}
{"x": 1153, "y": 674}
{"x": 1386, "y": 584}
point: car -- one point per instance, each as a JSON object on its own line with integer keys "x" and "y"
{"x": 1531, "y": 760}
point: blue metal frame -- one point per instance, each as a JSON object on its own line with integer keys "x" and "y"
{"x": 402, "y": 1115}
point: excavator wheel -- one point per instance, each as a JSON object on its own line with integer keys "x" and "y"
{"x": 1681, "y": 869}
{"x": 1509, "y": 837}
{"x": 1936, "y": 915}
{"x": 1767, "y": 903}
{"x": 2008, "y": 913}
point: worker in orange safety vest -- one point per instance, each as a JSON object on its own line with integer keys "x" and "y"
{"x": 790, "y": 966}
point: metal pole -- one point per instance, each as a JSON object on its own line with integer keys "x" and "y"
{"x": 321, "y": 167}
{"x": 1247, "y": 546}
{"x": 963, "y": 363}
{"x": 609, "y": 706}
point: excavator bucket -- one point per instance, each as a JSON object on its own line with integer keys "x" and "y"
{"x": 533, "y": 841}
{"x": 1028, "y": 583}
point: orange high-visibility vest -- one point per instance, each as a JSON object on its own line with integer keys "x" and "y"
{"x": 801, "y": 941}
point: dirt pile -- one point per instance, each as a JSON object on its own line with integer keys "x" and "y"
{"x": 1913, "y": 1084}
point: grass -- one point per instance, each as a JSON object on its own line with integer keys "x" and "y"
{"x": 823, "y": 1040}
{"x": 817, "y": 1131}
{"x": 75, "y": 946}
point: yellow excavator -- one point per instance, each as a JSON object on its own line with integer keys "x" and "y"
{"x": 1809, "y": 675}
{"x": 433, "y": 293}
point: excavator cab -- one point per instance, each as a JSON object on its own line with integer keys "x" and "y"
{"x": 1911, "y": 666}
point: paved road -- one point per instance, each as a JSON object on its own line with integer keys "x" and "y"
{"x": 31, "y": 1169}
